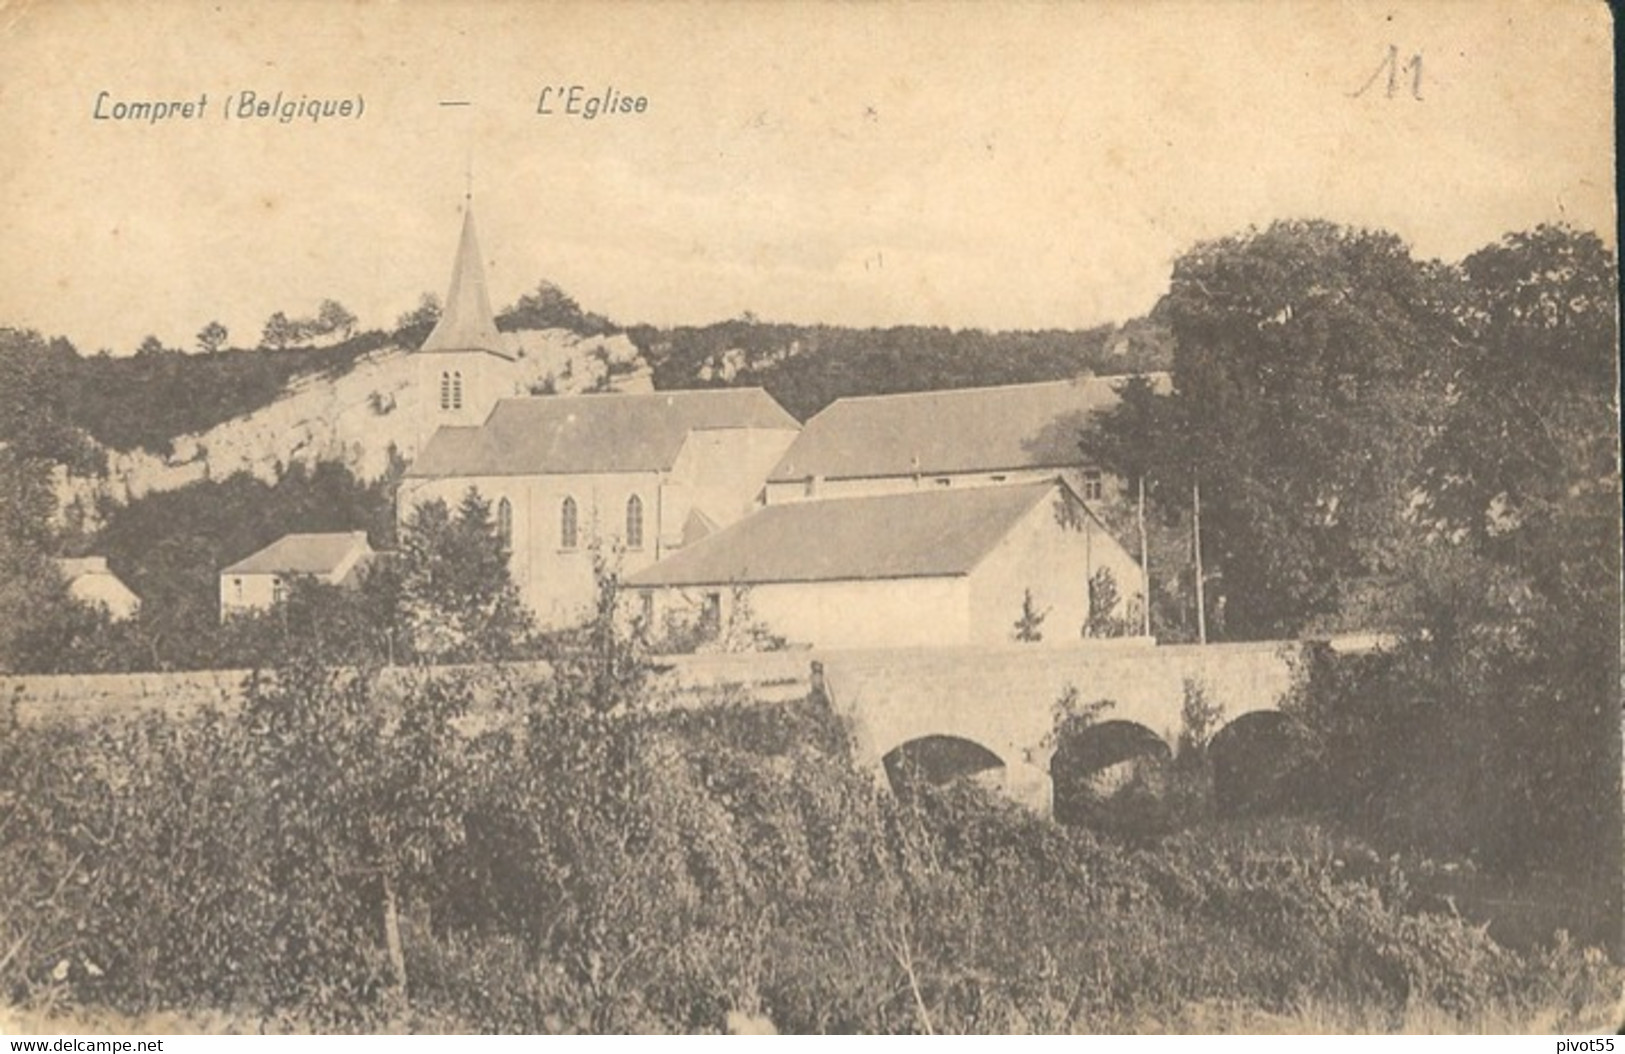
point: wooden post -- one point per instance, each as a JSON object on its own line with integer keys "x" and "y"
{"x": 1196, "y": 545}
{"x": 392, "y": 937}
{"x": 1145, "y": 565}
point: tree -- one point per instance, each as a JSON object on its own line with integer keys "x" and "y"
{"x": 1029, "y": 626}
{"x": 427, "y": 313}
{"x": 211, "y": 338}
{"x": 1305, "y": 386}
{"x": 549, "y": 307}
{"x": 39, "y": 421}
{"x": 150, "y": 345}
{"x": 1522, "y": 490}
{"x": 358, "y": 836}
{"x": 334, "y": 317}
{"x": 27, "y": 579}
{"x": 279, "y": 332}
{"x": 459, "y": 603}
{"x": 412, "y": 327}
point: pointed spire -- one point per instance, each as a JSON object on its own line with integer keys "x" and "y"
{"x": 466, "y": 323}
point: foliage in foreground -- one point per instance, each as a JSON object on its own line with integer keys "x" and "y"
{"x": 472, "y": 853}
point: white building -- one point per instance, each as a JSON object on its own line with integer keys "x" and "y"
{"x": 90, "y": 582}
{"x": 260, "y": 581}
{"x": 966, "y": 437}
{"x": 627, "y": 479}
{"x": 936, "y": 566}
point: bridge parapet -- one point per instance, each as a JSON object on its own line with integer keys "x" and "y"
{"x": 1005, "y": 697}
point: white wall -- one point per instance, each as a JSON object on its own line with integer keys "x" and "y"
{"x": 721, "y": 471}
{"x": 247, "y": 592}
{"x": 105, "y": 590}
{"x": 1054, "y": 560}
{"x": 881, "y": 613}
{"x": 557, "y": 583}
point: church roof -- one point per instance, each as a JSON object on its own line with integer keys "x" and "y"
{"x": 304, "y": 554}
{"x": 960, "y": 430}
{"x": 552, "y": 434}
{"x": 466, "y": 322}
{"x": 924, "y": 533}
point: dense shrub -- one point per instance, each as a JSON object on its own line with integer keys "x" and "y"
{"x": 572, "y": 854}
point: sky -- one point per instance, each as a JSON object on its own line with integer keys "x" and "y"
{"x": 999, "y": 165}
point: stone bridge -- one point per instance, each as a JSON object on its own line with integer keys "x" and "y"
{"x": 989, "y": 709}
{"x": 994, "y": 708}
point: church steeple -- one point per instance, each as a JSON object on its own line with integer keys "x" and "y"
{"x": 466, "y": 322}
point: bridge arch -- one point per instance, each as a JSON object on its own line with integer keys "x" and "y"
{"x": 936, "y": 759}
{"x": 1256, "y": 761}
{"x": 1108, "y": 773}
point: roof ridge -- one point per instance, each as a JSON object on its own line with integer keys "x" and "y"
{"x": 983, "y": 388}
{"x": 933, "y": 492}
{"x": 612, "y": 396}
{"x": 737, "y": 539}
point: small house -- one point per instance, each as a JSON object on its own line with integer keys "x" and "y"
{"x": 90, "y": 582}
{"x": 260, "y": 581}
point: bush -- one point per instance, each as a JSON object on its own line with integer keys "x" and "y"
{"x": 571, "y": 853}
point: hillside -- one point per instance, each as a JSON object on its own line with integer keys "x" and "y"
{"x": 121, "y": 428}
{"x": 808, "y": 367}
{"x": 354, "y": 418}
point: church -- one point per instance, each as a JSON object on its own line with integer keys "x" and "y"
{"x": 917, "y": 519}
{"x": 619, "y": 479}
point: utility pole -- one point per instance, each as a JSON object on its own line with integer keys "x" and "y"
{"x": 1196, "y": 545}
{"x": 1145, "y": 564}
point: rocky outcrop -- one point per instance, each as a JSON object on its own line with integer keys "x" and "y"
{"x": 355, "y": 418}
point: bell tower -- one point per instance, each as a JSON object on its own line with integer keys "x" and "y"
{"x": 459, "y": 367}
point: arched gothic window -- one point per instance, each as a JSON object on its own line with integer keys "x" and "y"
{"x": 445, "y": 391}
{"x": 634, "y": 522}
{"x": 457, "y": 390}
{"x": 505, "y": 523}
{"x": 568, "y": 534}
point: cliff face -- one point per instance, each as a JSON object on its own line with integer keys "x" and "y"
{"x": 355, "y": 418}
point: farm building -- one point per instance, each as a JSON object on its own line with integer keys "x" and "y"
{"x": 941, "y": 566}
{"x": 260, "y": 581}
{"x": 965, "y": 437}
{"x": 90, "y": 582}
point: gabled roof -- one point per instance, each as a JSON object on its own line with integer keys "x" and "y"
{"x": 961, "y": 430}
{"x": 549, "y": 434}
{"x": 926, "y": 533}
{"x": 304, "y": 554}
{"x": 466, "y": 323}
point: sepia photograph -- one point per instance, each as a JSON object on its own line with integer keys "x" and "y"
{"x": 708, "y": 517}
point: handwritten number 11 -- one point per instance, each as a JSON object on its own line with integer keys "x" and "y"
{"x": 1395, "y": 70}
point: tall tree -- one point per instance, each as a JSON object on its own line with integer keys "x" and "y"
{"x": 458, "y": 600}
{"x": 1523, "y": 481}
{"x": 1305, "y": 383}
